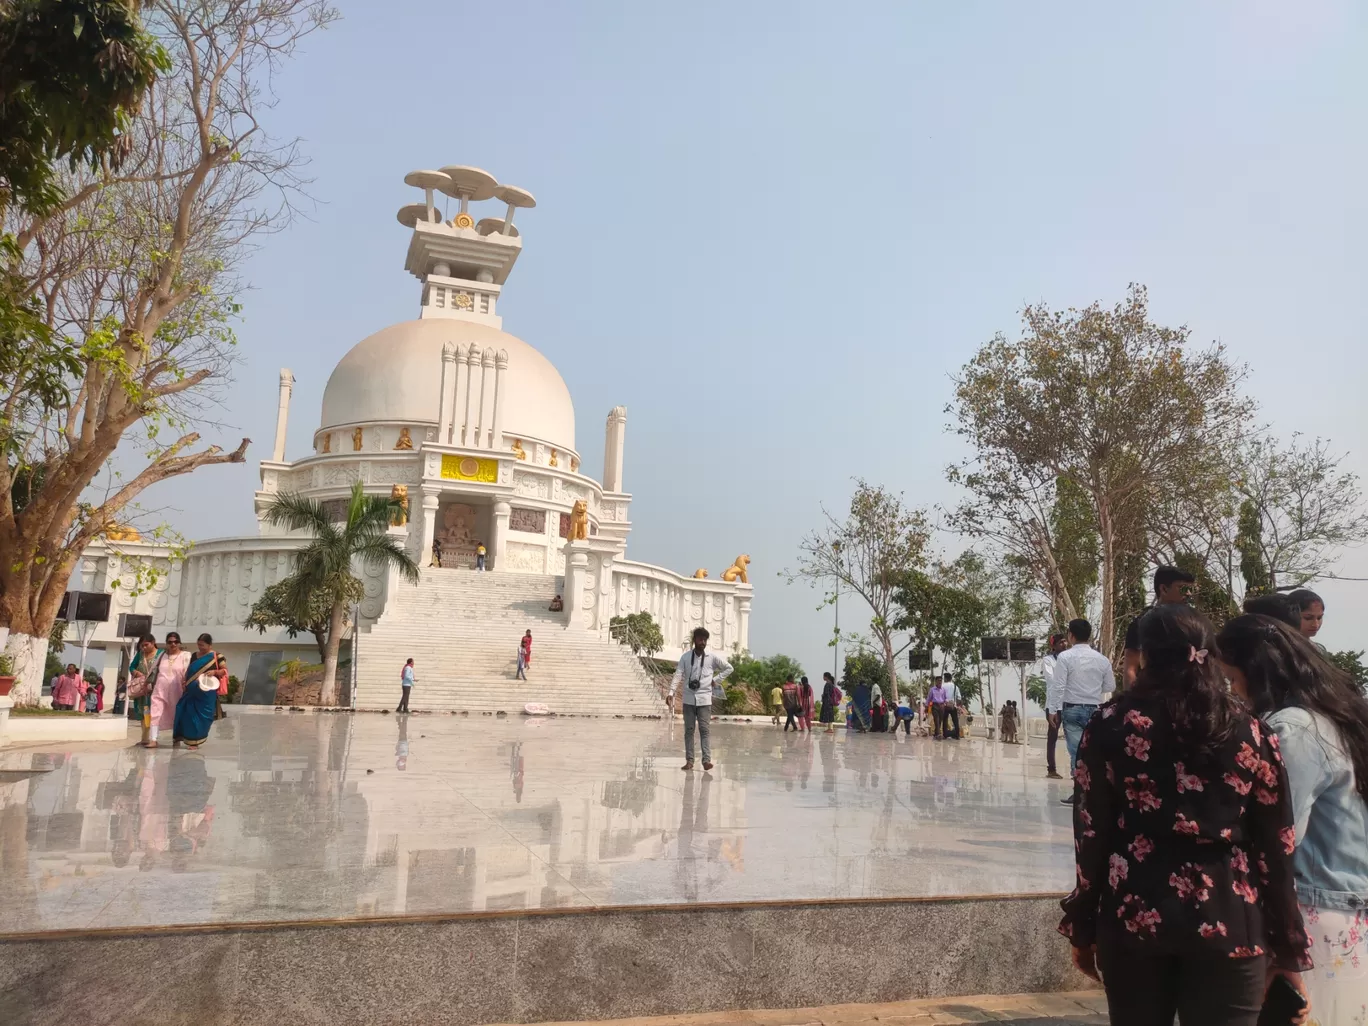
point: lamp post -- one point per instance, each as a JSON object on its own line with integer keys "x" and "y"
{"x": 836, "y": 657}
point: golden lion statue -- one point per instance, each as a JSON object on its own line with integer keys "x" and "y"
{"x": 117, "y": 532}
{"x": 699, "y": 574}
{"x": 737, "y": 571}
{"x": 579, "y": 521}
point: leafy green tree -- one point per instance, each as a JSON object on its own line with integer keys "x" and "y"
{"x": 1352, "y": 664}
{"x": 273, "y": 609}
{"x": 639, "y": 632}
{"x": 1035, "y": 689}
{"x": 1073, "y": 522}
{"x": 870, "y": 552}
{"x": 71, "y": 72}
{"x": 323, "y": 571}
{"x": 1249, "y": 545}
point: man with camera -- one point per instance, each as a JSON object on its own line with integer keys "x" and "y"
{"x": 698, "y": 680}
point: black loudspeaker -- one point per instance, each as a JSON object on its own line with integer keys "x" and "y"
{"x": 919, "y": 659}
{"x": 994, "y": 650}
{"x": 64, "y": 610}
{"x": 134, "y": 625}
{"x": 92, "y": 605}
{"x": 1022, "y": 650}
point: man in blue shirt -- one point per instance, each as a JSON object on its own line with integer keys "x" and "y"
{"x": 406, "y": 681}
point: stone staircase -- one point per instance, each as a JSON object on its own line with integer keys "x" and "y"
{"x": 462, "y": 630}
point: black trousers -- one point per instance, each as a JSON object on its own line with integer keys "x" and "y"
{"x": 1147, "y": 990}
{"x": 403, "y": 702}
{"x": 792, "y": 720}
{"x": 1051, "y": 739}
{"x": 951, "y": 713}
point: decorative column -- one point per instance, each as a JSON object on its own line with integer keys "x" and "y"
{"x": 430, "y": 501}
{"x": 576, "y": 581}
{"x": 471, "y": 413}
{"x": 282, "y": 414}
{"x": 486, "y": 400}
{"x": 614, "y": 437}
{"x": 496, "y": 421}
{"x": 743, "y": 623}
{"x": 447, "y": 406}
{"x": 500, "y": 547}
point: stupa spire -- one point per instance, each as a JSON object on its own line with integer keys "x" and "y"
{"x": 462, "y": 263}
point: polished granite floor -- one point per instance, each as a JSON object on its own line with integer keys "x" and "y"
{"x": 290, "y": 816}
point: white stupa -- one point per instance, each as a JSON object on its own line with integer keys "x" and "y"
{"x": 475, "y": 429}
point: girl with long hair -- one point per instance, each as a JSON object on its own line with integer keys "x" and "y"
{"x": 1321, "y": 721}
{"x": 1183, "y": 828}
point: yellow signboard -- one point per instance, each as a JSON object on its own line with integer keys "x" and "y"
{"x": 468, "y": 468}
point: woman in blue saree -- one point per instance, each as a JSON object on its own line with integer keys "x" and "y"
{"x": 199, "y": 702}
{"x": 860, "y": 696}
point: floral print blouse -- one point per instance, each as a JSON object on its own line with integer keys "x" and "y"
{"x": 1178, "y": 852}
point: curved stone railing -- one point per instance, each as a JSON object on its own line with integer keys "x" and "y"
{"x": 680, "y": 604}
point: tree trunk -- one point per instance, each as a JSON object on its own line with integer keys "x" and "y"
{"x": 29, "y": 654}
{"x": 1106, "y": 527}
{"x": 335, "y": 622}
{"x": 886, "y": 639}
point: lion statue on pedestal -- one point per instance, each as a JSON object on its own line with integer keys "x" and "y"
{"x": 579, "y": 521}
{"x": 737, "y": 571}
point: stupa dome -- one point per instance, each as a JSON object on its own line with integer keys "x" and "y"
{"x": 395, "y": 376}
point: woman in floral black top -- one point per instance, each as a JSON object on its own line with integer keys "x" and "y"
{"x": 1183, "y": 833}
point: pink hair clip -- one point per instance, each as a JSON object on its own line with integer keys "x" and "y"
{"x": 1196, "y": 655}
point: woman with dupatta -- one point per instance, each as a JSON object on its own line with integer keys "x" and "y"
{"x": 142, "y": 674}
{"x": 198, "y": 705}
{"x": 167, "y": 688}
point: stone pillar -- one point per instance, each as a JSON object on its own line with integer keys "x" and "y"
{"x": 282, "y": 414}
{"x": 482, "y": 437}
{"x": 430, "y": 501}
{"x": 576, "y": 580}
{"x": 447, "y": 406}
{"x": 743, "y": 623}
{"x": 496, "y": 421}
{"x": 499, "y": 547}
{"x": 471, "y": 410}
{"x": 614, "y": 437}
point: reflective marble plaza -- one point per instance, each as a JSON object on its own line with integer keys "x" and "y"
{"x": 291, "y": 816}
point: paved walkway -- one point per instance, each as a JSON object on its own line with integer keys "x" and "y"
{"x": 1079, "y": 1008}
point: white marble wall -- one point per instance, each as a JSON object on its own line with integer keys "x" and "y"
{"x": 681, "y": 604}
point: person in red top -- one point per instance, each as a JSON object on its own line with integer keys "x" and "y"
{"x": 524, "y": 655}
{"x": 1184, "y": 837}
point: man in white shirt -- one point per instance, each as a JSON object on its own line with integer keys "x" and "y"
{"x": 694, "y": 677}
{"x": 1052, "y": 706}
{"x": 1082, "y": 675}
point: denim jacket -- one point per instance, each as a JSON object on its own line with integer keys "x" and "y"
{"x": 1331, "y": 817}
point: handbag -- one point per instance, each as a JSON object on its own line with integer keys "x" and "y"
{"x": 140, "y": 685}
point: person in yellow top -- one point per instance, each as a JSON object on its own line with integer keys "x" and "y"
{"x": 480, "y": 553}
{"x": 776, "y": 702}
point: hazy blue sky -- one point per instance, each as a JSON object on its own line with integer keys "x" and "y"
{"x": 774, "y": 230}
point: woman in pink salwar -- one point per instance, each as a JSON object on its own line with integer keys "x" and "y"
{"x": 167, "y": 689}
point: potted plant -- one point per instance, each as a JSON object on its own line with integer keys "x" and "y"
{"x": 6, "y": 674}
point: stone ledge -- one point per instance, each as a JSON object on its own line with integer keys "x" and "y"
{"x": 86, "y": 727}
{"x": 572, "y": 965}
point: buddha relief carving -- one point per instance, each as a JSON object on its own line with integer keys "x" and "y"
{"x": 405, "y": 439}
{"x": 358, "y": 436}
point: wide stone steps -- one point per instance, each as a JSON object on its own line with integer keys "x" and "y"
{"x": 462, "y": 630}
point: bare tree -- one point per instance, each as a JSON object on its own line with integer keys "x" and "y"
{"x": 135, "y": 275}
{"x": 870, "y": 553}
{"x": 1307, "y": 508}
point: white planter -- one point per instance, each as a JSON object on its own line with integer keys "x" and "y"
{"x": 64, "y": 728}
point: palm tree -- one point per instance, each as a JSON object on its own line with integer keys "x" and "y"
{"x": 324, "y": 566}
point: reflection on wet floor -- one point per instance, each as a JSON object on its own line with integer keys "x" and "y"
{"x": 286, "y": 816}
